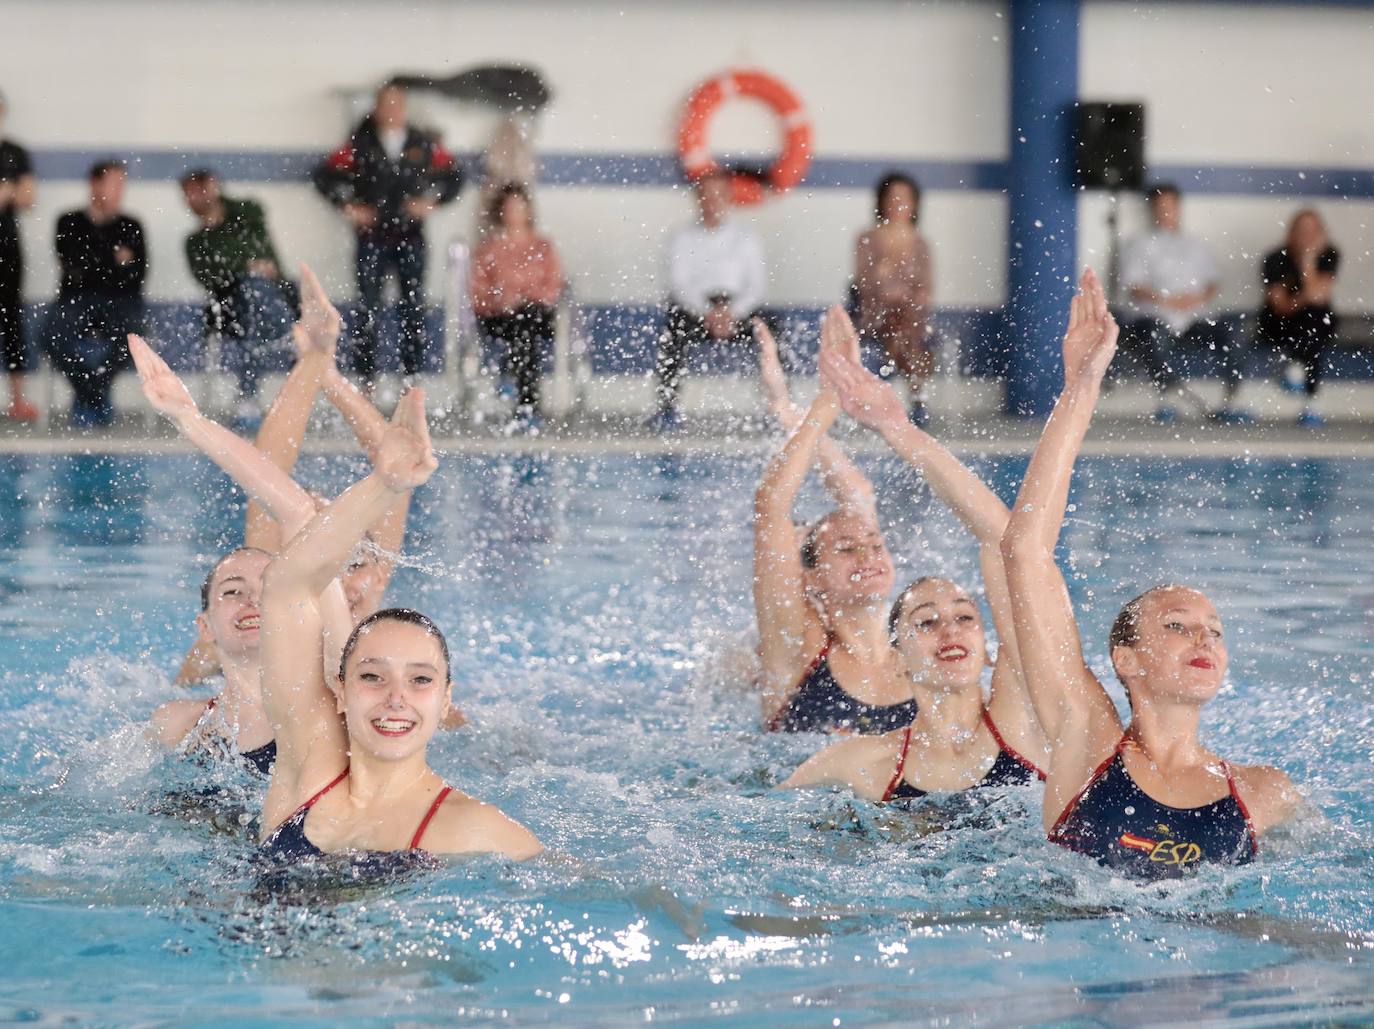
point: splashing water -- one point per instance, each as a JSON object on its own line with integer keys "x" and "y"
{"x": 593, "y": 607}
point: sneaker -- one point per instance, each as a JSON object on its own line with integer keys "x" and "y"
{"x": 667, "y": 420}
{"x": 1292, "y": 378}
{"x": 22, "y": 411}
{"x": 1165, "y": 415}
{"x": 1311, "y": 420}
{"x": 919, "y": 414}
{"x": 1233, "y": 416}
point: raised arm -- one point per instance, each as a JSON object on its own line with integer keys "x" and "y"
{"x": 369, "y": 427}
{"x": 847, "y": 486}
{"x": 316, "y": 336}
{"x": 310, "y": 738}
{"x": 1079, "y": 718}
{"x": 260, "y": 478}
{"x": 780, "y": 603}
{"x": 876, "y": 405}
{"x": 283, "y": 501}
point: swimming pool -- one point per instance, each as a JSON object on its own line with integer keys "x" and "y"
{"x": 588, "y": 601}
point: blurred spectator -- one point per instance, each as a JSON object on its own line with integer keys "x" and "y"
{"x": 100, "y": 297}
{"x": 17, "y": 193}
{"x": 1297, "y": 318}
{"x": 232, "y": 257}
{"x": 893, "y": 283}
{"x": 716, "y": 278}
{"x": 516, "y": 280}
{"x": 388, "y": 178}
{"x": 1171, "y": 279}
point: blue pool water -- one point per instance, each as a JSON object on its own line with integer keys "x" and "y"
{"x": 589, "y": 603}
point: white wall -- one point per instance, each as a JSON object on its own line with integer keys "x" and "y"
{"x": 1226, "y": 84}
{"x": 1242, "y": 85}
{"x": 881, "y": 79}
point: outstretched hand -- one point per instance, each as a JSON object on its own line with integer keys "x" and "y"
{"x": 320, "y": 324}
{"x": 780, "y": 404}
{"x": 1090, "y": 340}
{"x": 404, "y": 458}
{"x": 164, "y": 390}
{"x": 866, "y": 398}
{"x": 839, "y": 335}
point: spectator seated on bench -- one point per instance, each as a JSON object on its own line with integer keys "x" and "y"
{"x": 893, "y": 276}
{"x": 250, "y": 306}
{"x": 716, "y": 277}
{"x": 1296, "y": 317}
{"x": 103, "y": 263}
{"x": 1171, "y": 280}
{"x": 516, "y": 281}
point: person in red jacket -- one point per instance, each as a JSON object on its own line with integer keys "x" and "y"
{"x": 516, "y": 280}
{"x": 387, "y": 179}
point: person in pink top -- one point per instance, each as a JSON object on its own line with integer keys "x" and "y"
{"x": 516, "y": 280}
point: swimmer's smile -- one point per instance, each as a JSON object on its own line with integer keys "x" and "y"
{"x": 953, "y": 652}
{"x": 393, "y": 726}
{"x": 249, "y": 622}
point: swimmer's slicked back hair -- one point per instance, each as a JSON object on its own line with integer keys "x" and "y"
{"x": 894, "y": 616}
{"x": 405, "y": 616}
{"x": 210, "y": 575}
{"x": 1126, "y": 629}
{"x": 810, "y": 548}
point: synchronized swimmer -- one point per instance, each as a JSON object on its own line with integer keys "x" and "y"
{"x": 336, "y": 698}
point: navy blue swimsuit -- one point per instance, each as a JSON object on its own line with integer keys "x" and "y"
{"x": 1010, "y": 768}
{"x": 262, "y": 758}
{"x": 1115, "y": 821}
{"x": 259, "y": 759}
{"x": 820, "y": 704}
{"x": 288, "y": 844}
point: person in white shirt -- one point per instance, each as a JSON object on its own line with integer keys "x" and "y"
{"x": 1171, "y": 281}
{"x": 716, "y": 279}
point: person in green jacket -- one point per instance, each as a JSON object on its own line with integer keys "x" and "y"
{"x": 231, "y": 255}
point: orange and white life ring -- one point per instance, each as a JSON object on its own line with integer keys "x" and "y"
{"x": 791, "y": 164}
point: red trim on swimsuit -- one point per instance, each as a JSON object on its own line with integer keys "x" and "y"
{"x": 424, "y": 822}
{"x": 1002, "y": 744}
{"x": 1235, "y": 794}
{"x": 901, "y": 765}
{"x": 780, "y": 715}
{"x": 311, "y": 802}
{"x": 1092, "y": 779}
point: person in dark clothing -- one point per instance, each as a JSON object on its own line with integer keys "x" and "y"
{"x": 99, "y": 301}
{"x": 17, "y": 193}
{"x": 1297, "y": 318}
{"x": 387, "y": 179}
{"x": 231, "y": 255}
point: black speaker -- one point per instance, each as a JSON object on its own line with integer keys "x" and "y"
{"x": 1110, "y": 146}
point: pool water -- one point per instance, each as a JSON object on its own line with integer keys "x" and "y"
{"x": 593, "y": 605}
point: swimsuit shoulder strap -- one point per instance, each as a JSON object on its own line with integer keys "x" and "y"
{"x": 776, "y": 722}
{"x": 901, "y": 764}
{"x": 300, "y": 811}
{"x": 1002, "y": 745}
{"x": 320, "y": 793}
{"x": 1245, "y": 811}
{"x": 1092, "y": 779}
{"x": 429, "y": 815}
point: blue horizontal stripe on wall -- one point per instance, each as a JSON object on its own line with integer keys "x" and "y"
{"x": 662, "y": 170}
{"x": 591, "y": 169}
{"x": 623, "y": 339}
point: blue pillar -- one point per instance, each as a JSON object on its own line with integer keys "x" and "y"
{"x": 1042, "y": 236}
